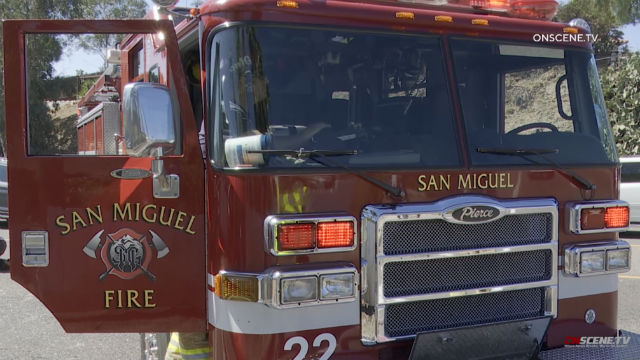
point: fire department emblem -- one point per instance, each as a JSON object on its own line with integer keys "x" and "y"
{"x": 125, "y": 253}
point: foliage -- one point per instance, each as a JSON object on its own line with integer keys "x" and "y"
{"x": 42, "y": 130}
{"x": 48, "y": 50}
{"x": 109, "y": 9}
{"x": 46, "y": 134}
{"x": 621, "y": 88}
{"x": 601, "y": 17}
{"x": 625, "y": 11}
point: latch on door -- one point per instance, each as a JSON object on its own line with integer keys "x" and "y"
{"x": 35, "y": 248}
{"x": 165, "y": 186}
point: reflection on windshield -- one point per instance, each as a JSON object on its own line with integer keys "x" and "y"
{"x": 524, "y": 97}
{"x": 382, "y": 99}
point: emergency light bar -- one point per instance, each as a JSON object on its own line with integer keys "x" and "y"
{"x": 526, "y": 9}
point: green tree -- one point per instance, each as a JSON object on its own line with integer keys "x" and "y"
{"x": 48, "y": 50}
{"x": 108, "y": 9}
{"x": 621, "y": 88}
{"x": 625, "y": 11}
{"x": 601, "y": 17}
{"x": 44, "y": 50}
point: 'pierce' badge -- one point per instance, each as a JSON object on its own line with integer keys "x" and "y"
{"x": 474, "y": 214}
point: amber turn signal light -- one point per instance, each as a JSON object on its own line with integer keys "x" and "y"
{"x": 237, "y": 287}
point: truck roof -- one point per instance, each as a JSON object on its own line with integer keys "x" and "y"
{"x": 393, "y": 15}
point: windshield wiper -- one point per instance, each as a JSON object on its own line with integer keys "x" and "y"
{"x": 325, "y": 155}
{"x": 304, "y": 153}
{"x": 586, "y": 184}
{"x": 509, "y": 151}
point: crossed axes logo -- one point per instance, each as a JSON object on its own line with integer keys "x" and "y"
{"x": 125, "y": 253}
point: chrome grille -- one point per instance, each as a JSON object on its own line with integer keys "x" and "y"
{"x": 415, "y": 317}
{"x": 407, "y": 237}
{"x": 423, "y": 270}
{"x": 407, "y": 278}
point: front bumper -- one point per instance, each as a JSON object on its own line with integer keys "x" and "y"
{"x": 519, "y": 340}
{"x": 507, "y": 340}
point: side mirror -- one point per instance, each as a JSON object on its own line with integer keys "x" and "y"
{"x": 148, "y": 119}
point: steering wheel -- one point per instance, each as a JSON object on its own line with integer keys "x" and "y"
{"x": 534, "y": 125}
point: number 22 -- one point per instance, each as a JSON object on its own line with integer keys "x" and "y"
{"x": 304, "y": 345}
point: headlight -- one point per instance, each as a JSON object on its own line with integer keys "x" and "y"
{"x": 597, "y": 258}
{"x": 618, "y": 259}
{"x": 336, "y": 286}
{"x": 297, "y": 290}
{"x": 592, "y": 262}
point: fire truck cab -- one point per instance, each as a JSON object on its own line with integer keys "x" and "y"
{"x": 326, "y": 179}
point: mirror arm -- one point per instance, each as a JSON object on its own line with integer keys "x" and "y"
{"x": 118, "y": 138}
{"x": 164, "y": 186}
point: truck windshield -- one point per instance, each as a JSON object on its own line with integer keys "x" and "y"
{"x": 519, "y": 99}
{"x": 369, "y": 100}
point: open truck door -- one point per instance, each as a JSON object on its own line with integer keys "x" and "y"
{"x": 107, "y": 231}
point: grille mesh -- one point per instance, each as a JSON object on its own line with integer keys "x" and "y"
{"x": 408, "y": 237}
{"x": 415, "y": 317}
{"x": 469, "y": 272}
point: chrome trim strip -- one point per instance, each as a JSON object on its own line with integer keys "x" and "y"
{"x": 271, "y": 231}
{"x": 574, "y": 210}
{"x": 131, "y": 173}
{"x": 385, "y": 259}
{"x": 570, "y": 286}
{"x": 467, "y": 292}
{"x": 211, "y": 280}
{"x": 572, "y": 257}
{"x": 551, "y": 301}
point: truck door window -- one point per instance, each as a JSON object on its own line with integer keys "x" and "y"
{"x": 508, "y": 98}
{"x": 74, "y": 105}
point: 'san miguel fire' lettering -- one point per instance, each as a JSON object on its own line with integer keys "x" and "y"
{"x": 149, "y": 213}
{"x": 440, "y": 182}
{"x": 128, "y": 299}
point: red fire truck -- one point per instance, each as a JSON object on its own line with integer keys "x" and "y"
{"x": 377, "y": 180}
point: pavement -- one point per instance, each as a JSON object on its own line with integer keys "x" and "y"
{"x": 629, "y": 288}
{"x": 29, "y": 331}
